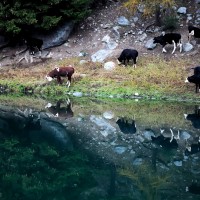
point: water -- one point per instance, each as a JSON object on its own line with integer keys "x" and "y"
{"x": 99, "y": 149}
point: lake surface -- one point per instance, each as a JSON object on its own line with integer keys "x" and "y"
{"x": 97, "y": 149}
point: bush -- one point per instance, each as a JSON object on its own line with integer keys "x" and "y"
{"x": 17, "y": 16}
{"x": 170, "y": 23}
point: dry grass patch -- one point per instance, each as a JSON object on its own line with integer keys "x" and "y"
{"x": 153, "y": 75}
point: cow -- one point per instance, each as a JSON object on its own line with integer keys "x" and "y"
{"x": 196, "y": 70}
{"x": 194, "y": 79}
{"x": 33, "y": 44}
{"x": 127, "y": 55}
{"x": 193, "y": 31}
{"x": 169, "y": 38}
{"x": 59, "y": 72}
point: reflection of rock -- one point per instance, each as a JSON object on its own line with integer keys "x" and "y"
{"x": 106, "y": 128}
{"x": 53, "y": 132}
{"x": 39, "y": 128}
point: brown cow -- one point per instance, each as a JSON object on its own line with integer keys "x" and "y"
{"x": 59, "y": 72}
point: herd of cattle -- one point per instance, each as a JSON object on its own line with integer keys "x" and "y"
{"x": 126, "y": 55}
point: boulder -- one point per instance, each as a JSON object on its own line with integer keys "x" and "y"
{"x": 101, "y": 55}
{"x": 57, "y": 36}
{"x": 109, "y": 65}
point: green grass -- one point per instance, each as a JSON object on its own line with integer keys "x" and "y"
{"x": 154, "y": 77}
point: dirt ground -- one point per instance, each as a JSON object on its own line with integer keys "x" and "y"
{"x": 88, "y": 35}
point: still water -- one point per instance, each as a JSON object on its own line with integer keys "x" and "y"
{"x": 94, "y": 149}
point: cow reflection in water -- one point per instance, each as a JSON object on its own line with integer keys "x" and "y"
{"x": 126, "y": 126}
{"x": 61, "y": 112}
{"x": 194, "y": 118}
{"x": 165, "y": 142}
{"x": 193, "y": 149}
{"x": 33, "y": 122}
{"x": 167, "y": 139}
{"x": 193, "y": 188}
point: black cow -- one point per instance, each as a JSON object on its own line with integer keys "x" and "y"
{"x": 127, "y": 55}
{"x": 33, "y": 45}
{"x": 196, "y": 70}
{"x": 193, "y": 31}
{"x": 194, "y": 79}
{"x": 169, "y": 38}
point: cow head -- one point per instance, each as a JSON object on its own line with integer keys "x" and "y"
{"x": 49, "y": 78}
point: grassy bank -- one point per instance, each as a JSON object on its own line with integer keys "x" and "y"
{"x": 154, "y": 77}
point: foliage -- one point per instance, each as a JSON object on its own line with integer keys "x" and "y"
{"x": 150, "y": 7}
{"x": 170, "y": 22}
{"x": 19, "y": 16}
{"x": 146, "y": 180}
{"x": 39, "y": 171}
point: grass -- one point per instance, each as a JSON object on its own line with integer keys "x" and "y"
{"x": 154, "y": 77}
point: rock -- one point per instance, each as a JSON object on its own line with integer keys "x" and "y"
{"x": 57, "y": 36}
{"x": 150, "y": 45}
{"x": 108, "y": 115}
{"x": 78, "y": 94}
{"x": 106, "y": 39}
{"x": 82, "y": 62}
{"x": 110, "y": 44}
{"x": 123, "y": 21}
{"x": 138, "y": 161}
{"x": 142, "y": 37}
{"x": 178, "y": 163}
{"x": 109, "y": 65}
{"x": 116, "y": 32}
{"x": 182, "y": 10}
{"x": 187, "y": 47}
{"x": 101, "y": 55}
{"x": 148, "y": 134}
{"x": 120, "y": 150}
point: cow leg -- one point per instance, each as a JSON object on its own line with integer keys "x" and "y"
{"x": 134, "y": 62}
{"x": 164, "y": 50}
{"x": 59, "y": 80}
{"x": 197, "y": 87}
{"x": 69, "y": 81}
{"x": 174, "y": 47}
{"x": 181, "y": 46}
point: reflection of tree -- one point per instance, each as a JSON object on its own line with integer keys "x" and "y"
{"x": 147, "y": 181}
{"x": 39, "y": 171}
